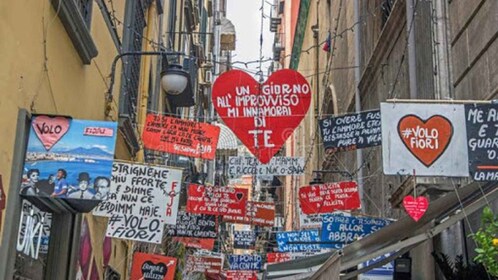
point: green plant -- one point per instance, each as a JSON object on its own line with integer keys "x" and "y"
{"x": 487, "y": 251}
{"x": 458, "y": 269}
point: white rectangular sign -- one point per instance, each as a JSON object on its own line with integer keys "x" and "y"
{"x": 142, "y": 199}
{"x": 428, "y": 139}
{"x": 278, "y": 166}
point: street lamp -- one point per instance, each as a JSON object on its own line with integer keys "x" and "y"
{"x": 174, "y": 79}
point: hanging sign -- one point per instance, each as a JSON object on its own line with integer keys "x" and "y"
{"x": 152, "y": 267}
{"x": 284, "y": 257}
{"x": 193, "y": 225}
{"x": 197, "y": 243}
{"x": 339, "y": 230}
{"x": 384, "y": 272}
{"x": 68, "y": 158}
{"x": 257, "y": 213}
{"x": 482, "y": 143}
{"x": 415, "y": 207}
{"x": 142, "y": 200}
{"x": 427, "y": 138}
{"x": 264, "y": 115}
{"x": 244, "y": 239}
{"x": 328, "y": 197}
{"x": 241, "y": 275}
{"x": 216, "y": 200}
{"x": 351, "y": 131}
{"x": 181, "y": 137}
{"x": 245, "y": 262}
{"x": 278, "y": 166}
{"x": 298, "y": 241}
{"x": 205, "y": 264}
{"x": 309, "y": 221}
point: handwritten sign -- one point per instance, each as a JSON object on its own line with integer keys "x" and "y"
{"x": 244, "y": 239}
{"x": 216, "y": 200}
{"x": 415, "y": 207}
{"x": 258, "y": 213}
{"x": 150, "y": 266}
{"x": 179, "y": 136}
{"x": 298, "y": 241}
{"x": 262, "y": 116}
{"x": 339, "y": 230}
{"x": 34, "y": 231}
{"x": 328, "y": 197}
{"x": 50, "y": 130}
{"x": 241, "y": 275}
{"x": 289, "y": 256}
{"x": 193, "y": 225}
{"x": 309, "y": 221}
{"x": 482, "y": 143}
{"x": 197, "y": 243}
{"x": 142, "y": 199}
{"x": 205, "y": 264}
{"x": 351, "y": 131}
{"x": 428, "y": 138}
{"x": 278, "y": 166}
{"x": 245, "y": 262}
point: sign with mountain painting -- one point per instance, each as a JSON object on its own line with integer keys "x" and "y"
{"x": 68, "y": 159}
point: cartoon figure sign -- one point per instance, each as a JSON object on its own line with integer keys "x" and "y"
{"x": 427, "y": 138}
{"x": 68, "y": 158}
{"x": 264, "y": 115}
{"x": 152, "y": 267}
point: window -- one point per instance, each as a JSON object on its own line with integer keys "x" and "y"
{"x": 76, "y": 17}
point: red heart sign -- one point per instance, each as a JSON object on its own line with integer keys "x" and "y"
{"x": 264, "y": 115}
{"x": 415, "y": 207}
{"x": 426, "y": 140}
{"x": 50, "y": 129}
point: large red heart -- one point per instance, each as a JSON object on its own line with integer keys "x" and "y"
{"x": 426, "y": 140}
{"x": 415, "y": 207}
{"x": 262, "y": 116}
{"x": 50, "y": 129}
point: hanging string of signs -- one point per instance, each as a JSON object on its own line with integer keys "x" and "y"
{"x": 278, "y": 166}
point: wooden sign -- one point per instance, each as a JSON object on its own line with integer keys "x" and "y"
{"x": 428, "y": 138}
{"x": 415, "y": 207}
{"x": 328, "y": 197}
{"x": 258, "y": 214}
{"x": 482, "y": 143}
{"x": 351, "y": 131}
{"x": 152, "y": 267}
{"x": 216, "y": 200}
{"x": 264, "y": 115}
{"x": 278, "y": 166}
{"x": 193, "y": 225}
{"x": 181, "y": 137}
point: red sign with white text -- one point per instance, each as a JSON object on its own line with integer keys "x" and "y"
{"x": 204, "y": 264}
{"x": 198, "y": 243}
{"x": 241, "y": 275}
{"x": 329, "y": 197}
{"x": 258, "y": 213}
{"x": 181, "y": 137}
{"x": 152, "y": 267}
{"x": 264, "y": 115}
{"x": 216, "y": 200}
{"x": 278, "y": 257}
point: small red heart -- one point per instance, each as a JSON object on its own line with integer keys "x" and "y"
{"x": 426, "y": 140}
{"x": 415, "y": 207}
{"x": 264, "y": 115}
{"x": 50, "y": 129}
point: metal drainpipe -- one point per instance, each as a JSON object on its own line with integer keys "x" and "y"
{"x": 357, "y": 78}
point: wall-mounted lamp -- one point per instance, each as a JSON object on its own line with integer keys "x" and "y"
{"x": 174, "y": 79}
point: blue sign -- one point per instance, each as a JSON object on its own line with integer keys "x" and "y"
{"x": 385, "y": 270}
{"x": 338, "y": 231}
{"x": 298, "y": 241}
{"x": 245, "y": 262}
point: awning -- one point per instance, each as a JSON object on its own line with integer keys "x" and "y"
{"x": 402, "y": 235}
{"x": 227, "y": 140}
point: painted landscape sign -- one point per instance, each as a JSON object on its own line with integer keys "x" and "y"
{"x": 193, "y": 225}
{"x": 328, "y": 197}
{"x": 278, "y": 166}
{"x": 351, "y": 131}
{"x": 298, "y": 241}
{"x": 426, "y": 138}
{"x": 264, "y": 115}
{"x": 142, "y": 200}
{"x": 68, "y": 159}
{"x": 179, "y": 136}
{"x": 216, "y": 200}
{"x": 245, "y": 262}
{"x": 257, "y": 213}
{"x": 482, "y": 141}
